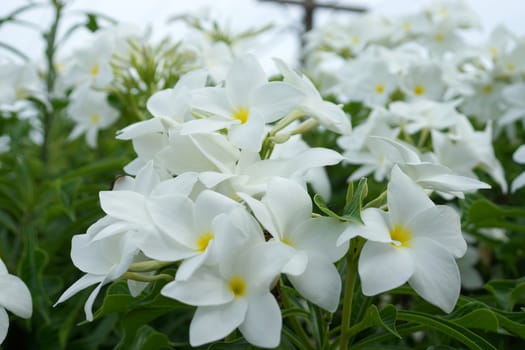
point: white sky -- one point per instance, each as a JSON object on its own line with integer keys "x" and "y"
{"x": 241, "y": 14}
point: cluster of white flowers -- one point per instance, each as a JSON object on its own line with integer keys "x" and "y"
{"x": 409, "y": 72}
{"x": 87, "y": 73}
{"x": 218, "y": 167}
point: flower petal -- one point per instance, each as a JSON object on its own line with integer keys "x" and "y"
{"x": 383, "y": 267}
{"x": 124, "y": 205}
{"x": 440, "y": 224}
{"x": 81, "y": 284}
{"x": 405, "y": 198}
{"x": 211, "y": 323}
{"x": 320, "y": 283}
{"x": 204, "y": 288}
{"x": 436, "y": 275}
{"x": 319, "y": 235}
{"x": 4, "y": 324}
{"x": 15, "y": 296}
{"x": 263, "y": 322}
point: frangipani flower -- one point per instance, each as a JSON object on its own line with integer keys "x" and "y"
{"x": 244, "y": 106}
{"x": 236, "y": 292}
{"x": 313, "y": 105}
{"x": 417, "y": 243}
{"x": 286, "y": 212}
{"x": 91, "y": 112}
{"x": 15, "y": 297}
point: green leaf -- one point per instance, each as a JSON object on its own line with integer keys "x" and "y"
{"x": 385, "y": 319}
{"x": 507, "y": 292}
{"x": 352, "y": 209}
{"x": 354, "y": 203}
{"x": 465, "y": 336}
{"x": 476, "y": 315}
{"x": 147, "y": 338}
{"x": 92, "y": 23}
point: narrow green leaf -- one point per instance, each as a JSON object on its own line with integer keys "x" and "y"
{"x": 385, "y": 319}
{"x": 465, "y": 336}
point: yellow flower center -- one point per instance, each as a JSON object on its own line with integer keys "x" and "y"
{"x": 487, "y": 89}
{"x": 511, "y": 67}
{"x": 493, "y": 52}
{"x": 237, "y": 286}
{"x": 419, "y": 90}
{"x": 242, "y": 115}
{"x": 94, "y": 118}
{"x": 407, "y": 26}
{"x": 355, "y": 40}
{"x": 380, "y": 88}
{"x": 400, "y": 237}
{"x": 203, "y": 241}
{"x": 439, "y": 37}
{"x": 288, "y": 242}
{"x": 95, "y": 70}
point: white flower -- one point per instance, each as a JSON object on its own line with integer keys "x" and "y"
{"x": 369, "y": 80}
{"x": 236, "y": 292}
{"x": 17, "y": 82}
{"x": 15, "y": 297}
{"x": 91, "y": 112}
{"x": 286, "y": 212}
{"x": 513, "y": 95}
{"x": 424, "y": 81}
{"x": 419, "y": 242}
{"x": 426, "y": 114}
{"x": 326, "y": 113}
{"x": 187, "y": 229}
{"x": 519, "y": 157}
{"x": 5, "y": 143}
{"x": 244, "y": 106}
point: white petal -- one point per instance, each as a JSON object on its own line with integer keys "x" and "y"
{"x": 320, "y": 283}
{"x": 181, "y": 185}
{"x": 15, "y": 296}
{"x": 289, "y": 205}
{"x": 405, "y": 198}
{"x": 212, "y": 100}
{"x": 191, "y": 264}
{"x": 297, "y": 263}
{"x": 262, "y": 213}
{"x": 383, "y": 267}
{"x": 204, "y": 288}
{"x": 442, "y": 225}
{"x": 375, "y": 227}
{"x": 212, "y": 323}
{"x": 275, "y": 100}
{"x": 263, "y": 322}
{"x": 248, "y": 136}
{"x": 518, "y": 182}
{"x": 319, "y": 235}
{"x": 210, "y": 204}
{"x": 519, "y": 155}
{"x": 124, "y": 205}
{"x": 4, "y": 324}
{"x": 81, "y": 284}
{"x": 134, "y": 130}
{"x": 175, "y": 216}
{"x": 3, "y": 268}
{"x": 88, "y": 306}
{"x": 436, "y": 276}
{"x": 243, "y": 77}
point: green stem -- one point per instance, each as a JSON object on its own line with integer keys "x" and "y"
{"x": 144, "y": 278}
{"x": 352, "y": 258}
{"x": 423, "y": 138}
{"x": 51, "y": 76}
{"x": 146, "y": 266}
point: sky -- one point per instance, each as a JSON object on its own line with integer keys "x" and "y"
{"x": 240, "y": 14}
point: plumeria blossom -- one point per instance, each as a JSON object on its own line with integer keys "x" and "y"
{"x": 235, "y": 293}
{"x": 519, "y": 157}
{"x": 424, "y": 81}
{"x": 464, "y": 148}
{"x": 313, "y": 105}
{"x": 426, "y": 114}
{"x": 429, "y": 175}
{"x": 417, "y": 242}
{"x": 17, "y": 82}
{"x": 244, "y": 105}
{"x": 91, "y": 112}
{"x": 187, "y": 229}
{"x": 170, "y": 107}
{"x": 15, "y": 297}
{"x": 286, "y": 212}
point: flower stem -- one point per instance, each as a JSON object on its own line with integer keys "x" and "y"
{"x": 144, "y": 278}
{"x": 352, "y": 257}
